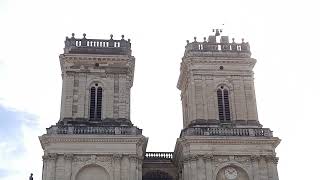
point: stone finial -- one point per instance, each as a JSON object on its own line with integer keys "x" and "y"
{"x": 111, "y": 36}
{"x": 122, "y": 37}
{"x": 195, "y": 39}
{"x": 242, "y": 40}
{"x": 129, "y": 40}
{"x": 233, "y": 40}
{"x": 72, "y": 35}
{"x": 188, "y": 42}
{"x": 204, "y": 39}
{"x": 84, "y": 35}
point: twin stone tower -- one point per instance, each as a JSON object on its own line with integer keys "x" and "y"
{"x": 221, "y": 139}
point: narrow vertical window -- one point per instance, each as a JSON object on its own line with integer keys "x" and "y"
{"x": 99, "y": 103}
{"x": 95, "y": 102}
{"x": 223, "y": 104}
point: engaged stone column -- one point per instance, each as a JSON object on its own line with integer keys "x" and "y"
{"x": 116, "y": 159}
{"x": 133, "y": 167}
{"x": 51, "y": 166}
{"x": 125, "y": 165}
{"x": 60, "y": 167}
{"x": 140, "y": 160}
{"x": 68, "y": 166}
{"x": 263, "y": 169}
{"x": 255, "y": 165}
{"x": 201, "y": 169}
{"x": 272, "y": 162}
{"x": 45, "y": 168}
{"x": 208, "y": 164}
{"x": 193, "y": 161}
{"x": 185, "y": 169}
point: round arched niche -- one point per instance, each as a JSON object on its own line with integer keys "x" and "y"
{"x": 232, "y": 172}
{"x": 92, "y": 172}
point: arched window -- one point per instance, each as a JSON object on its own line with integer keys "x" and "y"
{"x": 95, "y": 102}
{"x": 223, "y": 104}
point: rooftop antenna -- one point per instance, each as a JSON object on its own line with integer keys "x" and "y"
{"x": 218, "y": 31}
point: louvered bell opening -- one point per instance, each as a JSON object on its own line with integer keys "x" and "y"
{"x": 220, "y": 105}
{"x": 226, "y": 105}
{"x": 99, "y": 103}
{"x": 92, "y": 102}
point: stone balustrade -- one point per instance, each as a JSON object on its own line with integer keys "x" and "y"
{"x": 108, "y": 130}
{"x": 206, "y": 131}
{"x": 219, "y": 49}
{"x": 97, "y": 46}
{"x": 158, "y": 155}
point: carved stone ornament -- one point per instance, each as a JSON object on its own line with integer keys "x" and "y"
{"x": 221, "y": 159}
{"x": 116, "y": 156}
{"x": 242, "y": 159}
{"x": 104, "y": 158}
{"x": 255, "y": 157}
{"x": 52, "y": 156}
{"x": 133, "y": 157}
{"x": 272, "y": 159}
{"x": 45, "y": 157}
{"x": 68, "y": 156}
{"x": 81, "y": 158}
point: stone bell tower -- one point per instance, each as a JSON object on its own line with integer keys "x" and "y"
{"x": 94, "y": 138}
{"x": 222, "y": 137}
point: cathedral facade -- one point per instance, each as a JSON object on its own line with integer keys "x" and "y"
{"x": 221, "y": 139}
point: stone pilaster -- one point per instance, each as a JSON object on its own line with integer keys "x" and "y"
{"x": 140, "y": 161}
{"x": 60, "y": 168}
{"x": 68, "y": 166}
{"x": 263, "y": 169}
{"x": 193, "y": 163}
{"x": 201, "y": 170}
{"x": 82, "y": 96}
{"x": 123, "y": 97}
{"x": 205, "y": 97}
{"x": 192, "y": 102}
{"x": 117, "y": 169}
{"x": 185, "y": 169}
{"x": 51, "y": 168}
{"x": 250, "y": 99}
{"x": 272, "y": 162}
{"x": 45, "y": 159}
{"x": 133, "y": 167}
{"x": 68, "y": 92}
{"x": 109, "y": 94}
{"x": 255, "y": 167}
{"x": 239, "y": 100}
{"x": 208, "y": 167}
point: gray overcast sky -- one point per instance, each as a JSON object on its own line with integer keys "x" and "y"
{"x": 283, "y": 36}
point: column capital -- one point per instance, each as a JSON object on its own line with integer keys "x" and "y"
{"x": 133, "y": 157}
{"x": 68, "y": 156}
{"x": 271, "y": 158}
{"x": 52, "y": 156}
{"x": 116, "y": 156}
{"x": 255, "y": 157}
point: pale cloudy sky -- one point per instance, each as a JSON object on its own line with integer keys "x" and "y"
{"x": 283, "y": 36}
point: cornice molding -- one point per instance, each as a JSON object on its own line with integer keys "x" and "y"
{"x": 274, "y": 141}
{"x": 47, "y": 139}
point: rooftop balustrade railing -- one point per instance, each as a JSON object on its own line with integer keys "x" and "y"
{"x": 205, "y": 131}
{"x": 158, "y": 155}
{"x": 94, "y": 130}
{"x": 218, "y": 49}
{"x": 97, "y": 46}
